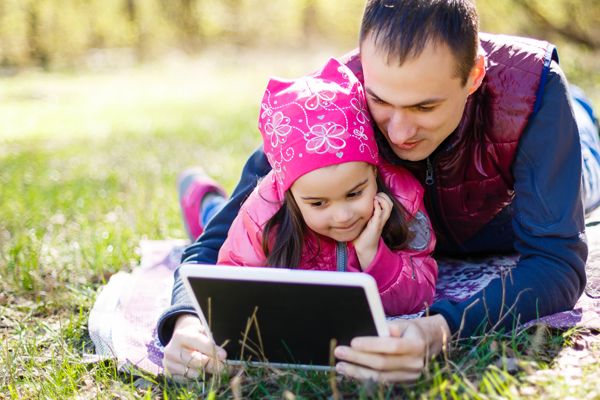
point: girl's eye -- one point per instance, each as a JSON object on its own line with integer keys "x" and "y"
{"x": 316, "y": 204}
{"x": 355, "y": 194}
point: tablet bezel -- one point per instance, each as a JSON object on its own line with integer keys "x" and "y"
{"x": 286, "y": 275}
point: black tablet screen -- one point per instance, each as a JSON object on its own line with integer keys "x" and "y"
{"x": 282, "y": 322}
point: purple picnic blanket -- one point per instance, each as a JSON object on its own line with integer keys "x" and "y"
{"x": 122, "y": 323}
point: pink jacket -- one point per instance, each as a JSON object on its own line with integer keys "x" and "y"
{"x": 405, "y": 278}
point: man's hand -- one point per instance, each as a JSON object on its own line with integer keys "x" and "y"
{"x": 191, "y": 351}
{"x": 367, "y": 242}
{"x": 401, "y": 357}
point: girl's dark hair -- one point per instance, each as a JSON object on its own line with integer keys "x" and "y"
{"x": 283, "y": 235}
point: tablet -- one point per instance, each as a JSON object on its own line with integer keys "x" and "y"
{"x": 284, "y": 317}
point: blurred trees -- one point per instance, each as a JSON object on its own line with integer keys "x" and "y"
{"x": 575, "y": 21}
{"x": 61, "y": 32}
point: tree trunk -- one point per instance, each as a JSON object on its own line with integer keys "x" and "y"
{"x": 37, "y": 53}
{"x": 310, "y": 21}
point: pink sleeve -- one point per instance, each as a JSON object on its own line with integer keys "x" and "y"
{"x": 406, "y": 278}
{"x": 243, "y": 246}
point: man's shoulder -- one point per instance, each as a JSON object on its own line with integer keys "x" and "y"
{"x": 513, "y": 41}
{"x": 521, "y": 53}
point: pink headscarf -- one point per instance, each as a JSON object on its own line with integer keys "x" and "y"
{"x": 314, "y": 122}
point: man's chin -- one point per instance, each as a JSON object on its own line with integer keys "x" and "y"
{"x": 411, "y": 155}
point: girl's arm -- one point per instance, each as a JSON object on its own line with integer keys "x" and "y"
{"x": 243, "y": 246}
{"x": 406, "y": 278}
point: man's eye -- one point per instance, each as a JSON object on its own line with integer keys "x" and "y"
{"x": 425, "y": 108}
{"x": 377, "y": 100}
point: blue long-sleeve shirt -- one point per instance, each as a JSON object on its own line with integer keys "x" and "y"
{"x": 544, "y": 224}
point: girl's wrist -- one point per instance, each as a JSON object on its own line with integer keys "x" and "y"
{"x": 186, "y": 319}
{"x": 365, "y": 255}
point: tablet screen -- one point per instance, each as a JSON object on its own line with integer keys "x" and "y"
{"x": 282, "y": 322}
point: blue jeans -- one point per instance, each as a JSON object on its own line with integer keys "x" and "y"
{"x": 209, "y": 209}
{"x": 590, "y": 148}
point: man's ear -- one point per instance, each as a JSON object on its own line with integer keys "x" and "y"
{"x": 477, "y": 74}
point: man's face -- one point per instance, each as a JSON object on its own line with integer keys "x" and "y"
{"x": 416, "y": 105}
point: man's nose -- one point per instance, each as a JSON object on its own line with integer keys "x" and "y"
{"x": 401, "y": 127}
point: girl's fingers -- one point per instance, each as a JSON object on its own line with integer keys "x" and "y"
{"x": 181, "y": 372}
{"x": 191, "y": 352}
{"x": 382, "y": 211}
{"x": 376, "y": 206}
{"x": 385, "y": 200}
{"x": 202, "y": 344}
{"x": 191, "y": 364}
{"x": 386, "y": 205}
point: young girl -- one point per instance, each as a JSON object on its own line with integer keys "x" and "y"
{"x": 329, "y": 202}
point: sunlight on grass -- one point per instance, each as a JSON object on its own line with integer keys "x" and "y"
{"x": 173, "y": 94}
{"x": 88, "y": 165}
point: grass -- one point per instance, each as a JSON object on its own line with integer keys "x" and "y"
{"x": 88, "y": 163}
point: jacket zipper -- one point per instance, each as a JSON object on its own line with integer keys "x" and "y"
{"x": 429, "y": 173}
{"x": 342, "y": 256}
{"x": 435, "y": 208}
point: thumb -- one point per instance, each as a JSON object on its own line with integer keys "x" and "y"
{"x": 398, "y": 327}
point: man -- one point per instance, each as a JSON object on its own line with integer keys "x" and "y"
{"x": 487, "y": 124}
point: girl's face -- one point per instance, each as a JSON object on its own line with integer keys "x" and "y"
{"x": 337, "y": 201}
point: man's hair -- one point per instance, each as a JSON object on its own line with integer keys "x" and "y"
{"x": 402, "y": 29}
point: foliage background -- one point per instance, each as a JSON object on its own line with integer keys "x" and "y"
{"x": 61, "y": 32}
{"x": 104, "y": 102}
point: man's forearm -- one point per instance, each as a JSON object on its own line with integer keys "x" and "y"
{"x": 206, "y": 249}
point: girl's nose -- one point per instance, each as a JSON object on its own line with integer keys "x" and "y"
{"x": 342, "y": 215}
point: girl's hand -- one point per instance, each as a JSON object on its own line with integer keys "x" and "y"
{"x": 401, "y": 357}
{"x": 191, "y": 351}
{"x": 367, "y": 242}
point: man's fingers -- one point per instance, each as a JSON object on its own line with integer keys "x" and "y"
{"x": 380, "y": 361}
{"x": 362, "y": 373}
{"x": 387, "y": 345}
{"x": 398, "y": 327}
